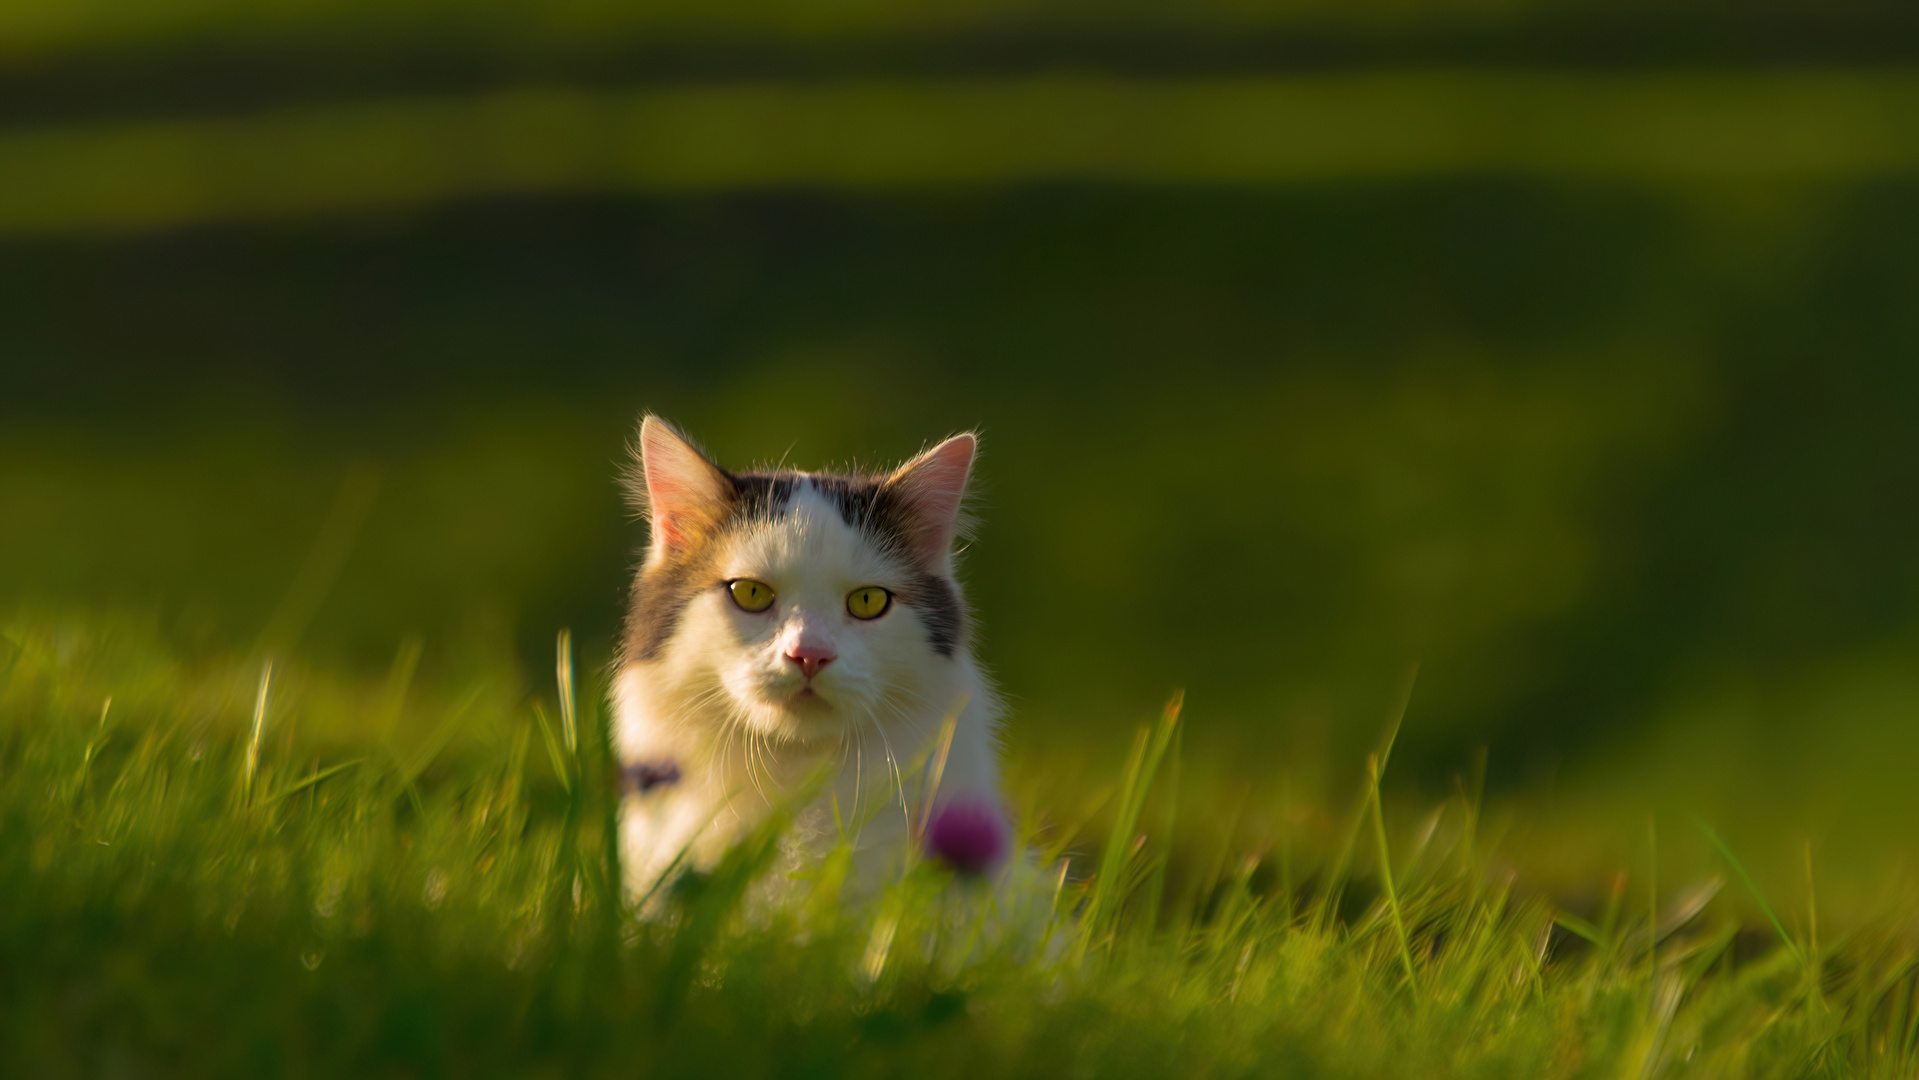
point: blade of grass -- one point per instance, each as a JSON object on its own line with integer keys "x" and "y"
{"x": 436, "y": 742}
{"x": 1286, "y": 840}
{"x": 936, "y": 769}
{"x": 1813, "y": 976}
{"x": 260, "y": 700}
{"x": 1473, "y": 798}
{"x": 1751, "y": 886}
{"x": 96, "y": 742}
{"x": 406, "y": 661}
{"x": 553, "y": 751}
{"x": 338, "y": 533}
{"x": 1909, "y": 1038}
{"x": 1108, "y": 887}
{"x": 1609, "y": 917}
{"x": 1342, "y": 863}
{"x": 563, "y": 665}
{"x": 1156, "y": 882}
{"x": 608, "y": 792}
{"x": 1652, "y": 907}
{"x": 1581, "y": 928}
{"x": 1386, "y": 877}
{"x": 296, "y": 788}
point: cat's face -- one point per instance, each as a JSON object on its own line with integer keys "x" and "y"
{"x": 795, "y": 605}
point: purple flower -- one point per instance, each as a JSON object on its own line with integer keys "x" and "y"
{"x": 967, "y": 836}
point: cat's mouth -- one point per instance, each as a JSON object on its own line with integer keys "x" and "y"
{"x": 804, "y": 712}
{"x": 804, "y": 698}
{"x": 801, "y": 701}
{"x": 807, "y": 697}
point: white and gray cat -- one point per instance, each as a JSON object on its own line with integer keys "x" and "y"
{"x": 784, "y": 623}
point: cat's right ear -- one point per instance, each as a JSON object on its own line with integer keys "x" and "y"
{"x": 682, "y": 494}
{"x": 934, "y": 485}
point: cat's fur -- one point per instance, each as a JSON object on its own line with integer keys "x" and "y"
{"x": 712, "y": 702}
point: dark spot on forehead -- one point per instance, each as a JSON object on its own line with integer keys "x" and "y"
{"x": 867, "y": 504}
{"x": 758, "y": 496}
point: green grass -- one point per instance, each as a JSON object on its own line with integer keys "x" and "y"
{"x": 1668, "y": 131}
{"x": 411, "y": 876}
{"x": 38, "y": 27}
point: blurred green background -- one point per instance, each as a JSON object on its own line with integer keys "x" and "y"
{"x": 1572, "y": 350}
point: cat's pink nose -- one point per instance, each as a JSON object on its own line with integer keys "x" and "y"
{"x": 811, "y": 658}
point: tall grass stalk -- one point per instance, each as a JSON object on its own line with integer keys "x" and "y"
{"x": 563, "y": 668}
{"x": 1386, "y": 876}
{"x": 1335, "y": 882}
{"x": 260, "y": 699}
{"x": 1111, "y": 885}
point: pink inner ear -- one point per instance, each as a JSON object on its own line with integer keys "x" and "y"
{"x": 666, "y": 529}
{"x": 681, "y": 485}
{"x": 934, "y": 483}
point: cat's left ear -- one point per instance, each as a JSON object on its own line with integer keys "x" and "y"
{"x": 933, "y": 487}
{"x": 682, "y": 493}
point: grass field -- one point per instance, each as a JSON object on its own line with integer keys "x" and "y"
{"x": 1564, "y": 347}
{"x": 409, "y": 877}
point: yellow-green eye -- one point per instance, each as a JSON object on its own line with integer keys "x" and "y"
{"x": 868, "y": 603}
{"x": 751, "y": 595}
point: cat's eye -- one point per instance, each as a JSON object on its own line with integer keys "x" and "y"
{"x": 868, "y": 603}
{"x": 751, "y": 595}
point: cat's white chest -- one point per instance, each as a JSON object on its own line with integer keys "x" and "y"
{"x": 868, "y": 796}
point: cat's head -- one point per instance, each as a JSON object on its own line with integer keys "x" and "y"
{"x": 796, "y": 605}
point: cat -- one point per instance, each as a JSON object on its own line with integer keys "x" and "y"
{"x": 784, "y": 624}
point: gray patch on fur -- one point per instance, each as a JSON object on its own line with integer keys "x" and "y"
{"x": 660, "y": 595}
{"x": 938, "y": 602}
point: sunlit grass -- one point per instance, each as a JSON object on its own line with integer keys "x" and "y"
{"x": 221, "y": 872}
{"x": 40, "y": 26}
{"x": 940, "y": 134}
